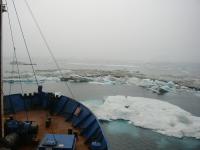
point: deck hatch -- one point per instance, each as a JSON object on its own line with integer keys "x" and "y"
{"x": 58, "y": 141}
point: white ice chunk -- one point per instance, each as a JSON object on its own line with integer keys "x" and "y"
{"x": 171, "y": 84}
{"x": 156, "y": 86}
{"x": 154, "y": 114}
{"x": 198, "y": 94}
{"x": 148, "y": 83}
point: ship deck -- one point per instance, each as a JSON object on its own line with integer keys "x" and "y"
{"x": 58, "y": 126}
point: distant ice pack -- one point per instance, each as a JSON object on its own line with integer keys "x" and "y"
{"x": 160, "y": 116}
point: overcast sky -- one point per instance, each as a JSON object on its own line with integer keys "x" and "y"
{"x": 144, "y": 30}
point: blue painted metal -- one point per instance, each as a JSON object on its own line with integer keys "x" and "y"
{"x": 44, "y": 98}
{"x": 58, "y": 142}
{"x": 88, "y": 132}
{"x": 60, "y": 104}
{"x": 8, "y": 108}
{"x": 87, "y": 122}
{"x": 27, "y": 102}
{"x": 35, "y": 100}
{"x": 69, "y": 109}
{"x": 76, "y": 120}
{"x": 99, "y": 135}
{"x": 95, "y": 146}
{"x": 16, "y": 103}
{"x": 64, "y": 106}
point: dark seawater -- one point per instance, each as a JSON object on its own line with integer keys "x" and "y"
{"x": 120, "y": 134}
{"x": 124, "y": 136}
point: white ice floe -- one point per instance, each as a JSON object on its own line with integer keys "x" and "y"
{"x": 104, "y": 80}
{"x": 156, "y": 86}
{"x": 154, "y": 114}
{"x": 198, "y": 94}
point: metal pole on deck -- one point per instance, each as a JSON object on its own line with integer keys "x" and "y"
{"x": 1, "y": 70}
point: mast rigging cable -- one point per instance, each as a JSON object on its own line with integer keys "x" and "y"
{"x": 45, "y": 41}
{"x": 26, "y": 46}
{"x": 14, "y": 48}
{"x": 15, "y": 58}
{"x": 47, "y": 45}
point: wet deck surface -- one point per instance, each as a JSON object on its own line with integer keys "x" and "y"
{"x": 58, "y": 125}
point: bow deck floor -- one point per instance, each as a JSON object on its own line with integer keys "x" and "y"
{"x": 58, "y": 125}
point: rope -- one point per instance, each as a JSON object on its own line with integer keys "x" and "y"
{"x": 12, "y": 72}
{"x": 47, "y": 45}
{"x": 15, "y": 54}
{"x": 15, "y": 58}
{"x": 25, "y": 42}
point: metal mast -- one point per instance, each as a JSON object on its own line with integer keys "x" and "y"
{"x": 2, "y": 9}
{"x": 1, "y": 69}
